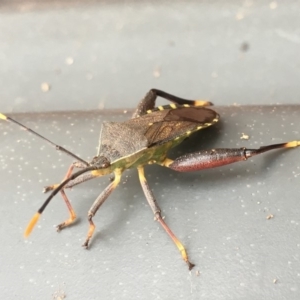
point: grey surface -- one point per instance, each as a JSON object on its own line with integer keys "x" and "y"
{"x": 220, "y": 216}
{"x": 119, "y": 48}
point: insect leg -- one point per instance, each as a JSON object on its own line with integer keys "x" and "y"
{"x": 81, "y": 179}
{"x": 206, "y": 159}
{"x": 64, "y": 196}
{"x": 157, "y": 213}
{"x": 75, "y": 164}
{"x": 96, "y": 205}
{"x": 148, "y": 102}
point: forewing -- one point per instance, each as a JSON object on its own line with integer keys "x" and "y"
{"x": 162, "y": 126}
{"x": 120, "y": 140}
{"x": 179, "y": 122}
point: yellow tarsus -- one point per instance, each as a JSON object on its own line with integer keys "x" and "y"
{"x": 3, "y": 117}
{"x": 202, "y": 103}
{"x": 31, "y": 224}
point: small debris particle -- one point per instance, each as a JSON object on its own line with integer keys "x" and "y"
{"x": 270, "y": 216}
{"x": 45, "y": 87}
{"x": 239, "y": 16}
{"x": 244, "y": 47}
{"x": 101, "y": 105}
{"x": 273, "y": 5}
{"x": 244, "y": 136}
{"x": 69, "y": 61}
{"x": 275, "y": 280}
{"x": 197, "y": 273}
{"x": 59, "y": 295}
{"x": 125, "y": 111}
{"x": 156, "y": 72}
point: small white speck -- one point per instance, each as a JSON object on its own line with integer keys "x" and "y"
{"x": 244, "y": 136}
{"x": 239, "y": 16}
{"x": 273, "y": 5}
{"x": 69, "y": 61}
{"x": 45, "y": 87}
{"x": 156, "y": 72}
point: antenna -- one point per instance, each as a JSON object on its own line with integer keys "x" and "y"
{"x": 57, "y": 147}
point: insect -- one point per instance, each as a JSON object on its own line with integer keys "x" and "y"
{"x": 145, "y": 139}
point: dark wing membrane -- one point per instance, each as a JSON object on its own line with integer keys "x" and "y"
{"x": 163, "y": 126}
{"x": 200, "y": 115}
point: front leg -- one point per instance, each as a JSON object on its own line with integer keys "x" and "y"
{"x": 207, "y": 159}
{"x": 75, "y": 164}
{"x": 148, "y": 102}
{"x": 72, "y": 213}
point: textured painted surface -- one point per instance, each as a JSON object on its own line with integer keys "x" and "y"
{"x": 109, "y": 54}
{"x": 220, "y": 215}
{"x": 61, "y": 55}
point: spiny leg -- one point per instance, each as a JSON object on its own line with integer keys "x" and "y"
{"x": 96, "y": 205}
{"x": 157, "y": 213}
{"x": 148, "y": 102}
{"x": 206, "y": 159}
{"x": 81, "y": 179}
{"x": 76, "y": 181}
{"x": 75, "y": 164}
{"x": 72, "y": 213}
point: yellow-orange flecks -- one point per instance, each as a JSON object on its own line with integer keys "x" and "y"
{"x": 202, "y": 103}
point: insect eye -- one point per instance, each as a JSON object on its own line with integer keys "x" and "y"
{"x": 100, "y": 162}
{"x": 105, "y": 164}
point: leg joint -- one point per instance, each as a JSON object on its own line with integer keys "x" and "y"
{"x": 157, "y": 215}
